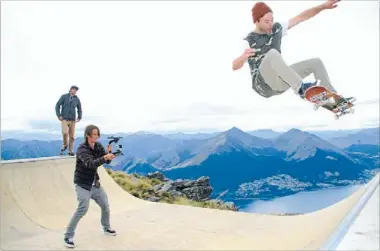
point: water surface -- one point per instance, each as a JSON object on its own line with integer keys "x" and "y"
{"x": 302, "y": 202}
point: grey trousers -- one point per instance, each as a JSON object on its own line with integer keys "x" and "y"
{"x": 280, "y": 77}
{"x": 83, "y": 197}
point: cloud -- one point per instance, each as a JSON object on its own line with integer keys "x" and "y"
{"x": 199, "y": 110}
{"x": 48, "y": 125}
{"x": 318, "y": 126}
{"x": 372, "y": 123}
{"x": 211, "y": 109}
{"x": 374, "y": 101}
{"x": 183, "y": 79}
{"x": 54, "y": 125}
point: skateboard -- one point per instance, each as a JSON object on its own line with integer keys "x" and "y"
{"x": 322, "y": 97}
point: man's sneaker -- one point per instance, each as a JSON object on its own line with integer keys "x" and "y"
{"x": 345, "y": 99}
{"x": 69, "y": 242}
{"x": 351, "y": 99}
{"x": 306, "y": 86}
{"x": 63, "y": 149}
{"x": 109, "y": 231}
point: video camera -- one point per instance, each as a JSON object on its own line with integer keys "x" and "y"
{"x": 118, "y": 146}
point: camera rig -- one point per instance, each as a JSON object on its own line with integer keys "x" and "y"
{"x": 115, "y": 140}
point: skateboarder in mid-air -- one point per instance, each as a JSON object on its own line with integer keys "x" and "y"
{"x": 261, "y": 48}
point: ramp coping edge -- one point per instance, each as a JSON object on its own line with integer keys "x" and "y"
{"x": 334, "y": 240}
{"x": 35, "y": 159}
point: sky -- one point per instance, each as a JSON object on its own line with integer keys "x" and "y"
{"x": 166, "y": 66}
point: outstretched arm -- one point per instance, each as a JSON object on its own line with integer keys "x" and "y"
{"x": 309, "y": 13}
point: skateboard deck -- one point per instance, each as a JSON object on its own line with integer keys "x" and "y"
{"x": 322, "y": 97}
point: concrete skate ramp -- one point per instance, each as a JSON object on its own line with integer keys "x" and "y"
{"x": 38, "y": 200}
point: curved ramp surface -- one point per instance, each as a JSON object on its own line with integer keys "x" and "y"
{"x": 38, "y": 200}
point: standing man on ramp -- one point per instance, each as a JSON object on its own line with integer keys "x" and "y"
{"x": 66, "y": 115}
{"x": 90, "y": 156}
{"x": 262, "y": 50}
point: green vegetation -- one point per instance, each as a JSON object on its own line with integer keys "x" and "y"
{"x": 142, "y": 187}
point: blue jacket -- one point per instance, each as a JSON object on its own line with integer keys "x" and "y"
{"x": 68, "y": 104}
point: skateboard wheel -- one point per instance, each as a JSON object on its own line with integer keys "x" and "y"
{"x": 338, "y": 109}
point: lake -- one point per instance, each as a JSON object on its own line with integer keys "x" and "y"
{"x": 302, "y": 202}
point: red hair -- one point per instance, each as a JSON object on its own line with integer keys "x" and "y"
{"x": 259, "y": 10}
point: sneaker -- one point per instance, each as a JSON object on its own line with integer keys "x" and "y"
{"x": 351, "y": 99}
{"x": 345, "y": 99}
{"x": 306, "y": 86}
{"x": 71, "y": 154}
{"x": 69, "y": 242}
{"x": 110, "y": 231}
{"x": 63, "y": 149}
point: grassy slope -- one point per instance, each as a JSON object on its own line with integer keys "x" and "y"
{"x": 142, "y": 187}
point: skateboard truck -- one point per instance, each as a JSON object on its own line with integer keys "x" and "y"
{"x": 323, "y": 102}
{"x": 344, "y": 112}
{"x": 118, "y": 146}
{"x": 342, "y": 109}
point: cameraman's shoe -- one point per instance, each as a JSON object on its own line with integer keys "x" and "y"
{"x": 69, "y": 243}
{"x": 110, "y": 231}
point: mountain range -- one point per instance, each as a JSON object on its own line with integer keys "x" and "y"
{"x": 260, "y": 163}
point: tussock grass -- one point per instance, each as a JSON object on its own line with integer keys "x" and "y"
{"x": 142, "y": 187}
{"x": 206, "y": 204}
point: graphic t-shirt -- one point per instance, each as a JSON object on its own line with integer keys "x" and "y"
{"x": 262, "y": 43}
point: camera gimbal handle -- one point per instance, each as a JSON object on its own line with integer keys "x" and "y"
{"x": 118, "y": 146}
